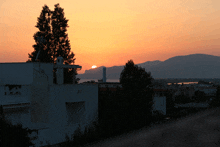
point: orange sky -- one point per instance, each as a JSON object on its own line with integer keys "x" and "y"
{"x": 111, "y": 33}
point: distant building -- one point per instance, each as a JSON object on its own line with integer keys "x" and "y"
{"x": 159, "y": 101}
{"x": 209, "y": 91}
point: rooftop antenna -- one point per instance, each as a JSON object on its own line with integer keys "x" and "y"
{"x": 41, "y": 40}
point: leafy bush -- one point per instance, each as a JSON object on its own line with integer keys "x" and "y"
{"x": 215, "y": 102}
{"x": 14, "y": 135}
{"x": 157, "y": 115}
{"x": 169, "y": 102}
{"x": 200, "y": 96}
{"x": 182, "y": 99}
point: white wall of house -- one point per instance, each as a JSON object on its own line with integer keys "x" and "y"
{"x": 76, "y": 93}
{"x": 10, "y": 97}
{"x": 23, "y": 73}
{"x": 14, "y": 73}
{"x": 209, "y": 91}
{"x": 18, "y": 114}
{"x": 65, "y": 108}
{"x": 49, "y": 112}
{"x": 47, "y": 71}
{"x": 159, "y": 104}
{"x": 55, "y": 110}
{"x": 16, "y": 106}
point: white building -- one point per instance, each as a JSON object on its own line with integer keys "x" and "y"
{"x": 30, "y": 97}
{"x": 159, "y": 101}
{"x": 209, "y": 91}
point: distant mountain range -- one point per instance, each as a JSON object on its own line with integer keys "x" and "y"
{"x": 189, "y": 66}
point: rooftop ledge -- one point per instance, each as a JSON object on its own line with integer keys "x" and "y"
{"x": 67, "y": 66}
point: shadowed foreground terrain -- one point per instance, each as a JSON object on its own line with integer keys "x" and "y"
{"x": 201, "y": 129}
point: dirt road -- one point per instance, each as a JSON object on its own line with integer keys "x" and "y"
{"x": 199, "y": 130}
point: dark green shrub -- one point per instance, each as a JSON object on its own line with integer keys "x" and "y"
{"x": 182, "y": 99}
{"x": 13, "y": 135}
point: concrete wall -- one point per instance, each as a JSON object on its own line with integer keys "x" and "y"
{"x": 60, "y": 94}
{"x": 24, "y": 90}
{"x": 40, "y": 104}
{"x": 55, "y": 110}
{"x": 160, "y": 104}
{"x": 18, "y": 114}
{"x": 22, "y": 97}
{"x": 48, "y": 109}
{"x": 40, "y": 98}
{"x": 47, "y": 70}
{"x": 23, "y": 73}
{"x": 16, "y": 73}
{"x": 16, "y": 107}
{"x": 85, "y": 97}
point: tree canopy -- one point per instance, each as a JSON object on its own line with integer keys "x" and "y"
{"x": 44, "y": 27}
{"x": 137, "y": 89}
{"x": 52, "y": 26}
{"x": 135, "y": 78}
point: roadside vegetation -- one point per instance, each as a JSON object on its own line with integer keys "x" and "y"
{"x": 13, "y": 135}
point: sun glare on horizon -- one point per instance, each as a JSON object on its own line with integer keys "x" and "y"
{"x": 94, "y": 66}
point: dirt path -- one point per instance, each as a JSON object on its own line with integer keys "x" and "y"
{"x": 199, "y": 130}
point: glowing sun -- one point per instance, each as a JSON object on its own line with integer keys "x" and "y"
{"x": 94, "y": 66}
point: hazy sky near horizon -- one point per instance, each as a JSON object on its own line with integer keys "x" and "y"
{"x": 111, "y": 33}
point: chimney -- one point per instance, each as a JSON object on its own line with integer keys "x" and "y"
{"x": 59, "y": 73}
{"x": 104, "y": 74}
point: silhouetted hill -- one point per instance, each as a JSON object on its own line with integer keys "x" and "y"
{"x": 189, "y": 66}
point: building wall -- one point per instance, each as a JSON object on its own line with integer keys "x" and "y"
{"x": 16, "y": 73}
{"x": 47, "y": 71}
{"x": 23, "y": 73}
{"x": 37, "y": 103}
{"x": 160, "y": 104}
{"x": 16, "y": 106}
{"x": 2, "y": 90}
{"x": 10, "y": 97}
{"x": 61, "y": 94}
{"x": 62, "y": 111}
{"x": 18, "y": 114}
{"x": 40, "y": 98}
{"x": 47, "y": 111}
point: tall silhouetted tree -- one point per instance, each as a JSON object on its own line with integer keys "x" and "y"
{"x": 44, "y": 27}
{"x": 138, "y": 89}
{"x": 56, "y": 41}
{"x": 61, "y": 41}
{"x": 135, "y": 78}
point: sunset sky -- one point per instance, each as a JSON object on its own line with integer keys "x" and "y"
{"x": 110, "y": 33}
